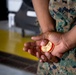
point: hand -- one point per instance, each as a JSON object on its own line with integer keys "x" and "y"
{"x": 34, "y": 49}
{"x": 57, "y": 39}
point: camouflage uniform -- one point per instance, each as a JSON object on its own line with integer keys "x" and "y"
{"x": 64, "y": 12}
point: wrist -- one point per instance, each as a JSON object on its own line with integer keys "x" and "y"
{"x": 48, "y": 25}
{"x": 70, "y": 39}
{"x": 48, "y": 28}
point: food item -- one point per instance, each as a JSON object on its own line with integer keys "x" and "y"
{"x": 48, "y": 48}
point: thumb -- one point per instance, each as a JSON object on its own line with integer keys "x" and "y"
{"x": 41, "y": 36}
{"x": 36, "y": 38}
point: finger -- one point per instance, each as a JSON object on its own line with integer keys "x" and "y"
{"x": 29, "y": 51}
{"x": 57, "y": 54}
{"x": 38, "y": 55}
{"x": 48, "y": 55}
{"x": 32, "y": 51}
{"x": 25, "y": 49}
{"x": 39, "y": 37}
{"x": 27, "y": 44}
{"x": 33, "y": 44}
{"x": 44, "y": 59}
{"x": 42, "y": 36}
{"x": 38, "y": 42}
{"x": 38, "y": 49}
{"x": 54, "y": 59}
{"x": 41, "y": 60}
{"x": 44, "y": 42}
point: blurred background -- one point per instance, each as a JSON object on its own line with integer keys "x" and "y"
{"x": 18, "y": 22}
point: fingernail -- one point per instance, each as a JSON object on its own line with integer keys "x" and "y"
{"x": 25, "y": 44}
{"x": 32, "y": 37}
{"x": 37, "y": 54}
{"x": 40, "y": 61}
{"x": 29, "y": 51}
{"x": 42, "y": 57}
{"x": 42, "y": 43}
{"x": 23, "y": 49}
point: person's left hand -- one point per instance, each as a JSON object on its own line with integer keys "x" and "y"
{"x": 34, "y": 49}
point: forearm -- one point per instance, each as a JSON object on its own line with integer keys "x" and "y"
{"x": 70, "y": 38}
{"x": 42, "y": 11}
